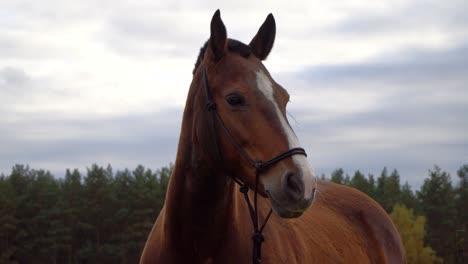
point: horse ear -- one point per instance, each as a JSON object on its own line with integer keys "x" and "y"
{"x": 262, "y": 43}
{"x": 218, "y": 36}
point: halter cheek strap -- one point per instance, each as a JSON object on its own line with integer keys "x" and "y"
{"x": 258, "y": 165}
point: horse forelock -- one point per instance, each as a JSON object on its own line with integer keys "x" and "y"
{"x": 233, "y": 45}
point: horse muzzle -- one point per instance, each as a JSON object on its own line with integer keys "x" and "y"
{"x": 293, "y": 195}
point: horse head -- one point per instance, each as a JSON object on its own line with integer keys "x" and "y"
{"x": 251, "y": 108}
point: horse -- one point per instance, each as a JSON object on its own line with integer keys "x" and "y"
{"x": 235, "y": 118}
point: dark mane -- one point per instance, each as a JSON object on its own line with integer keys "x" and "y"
{"x": 233, "y": 46}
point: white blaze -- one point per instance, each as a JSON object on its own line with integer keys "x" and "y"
{"x": 310, "y": 181}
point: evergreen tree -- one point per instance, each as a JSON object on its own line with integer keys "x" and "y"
{"x": 437, "y": 202}
{"x": 408, "y": 198}
{"x": 392, "y": 189}
{"x": 71, "y": 206}
{"x": 337, "y": 176}
{"x": 360, "y": 182}
{"x": 46, "y": 223}
{"x": 372, "y": 186}
{"x": 36, "y": 214}
{"x": 388, "y": 189}
{"x": 347, "y": 180}
{"x": 380, "y": 188}
{"x": 461, "y": 202}
{"x": 122, "y": 189}
{"x": 97, "y": 223}
{"x": 8, "y": 220}
{"x": 146, "y": 203}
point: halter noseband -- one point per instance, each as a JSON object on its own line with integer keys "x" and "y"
{"x": 258, "y": 165}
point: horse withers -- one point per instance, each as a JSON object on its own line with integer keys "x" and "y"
{"x": 235, "y": 131}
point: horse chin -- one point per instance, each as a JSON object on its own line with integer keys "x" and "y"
{"x": 286, "y": 214}
{"x": 281, "y": 211}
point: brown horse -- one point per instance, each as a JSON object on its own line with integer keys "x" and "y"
{"x": 206, "y": 220}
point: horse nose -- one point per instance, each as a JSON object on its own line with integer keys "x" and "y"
{"x": 293, "y": 186}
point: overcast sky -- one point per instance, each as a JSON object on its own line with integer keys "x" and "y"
{"x": 372, "y": 83}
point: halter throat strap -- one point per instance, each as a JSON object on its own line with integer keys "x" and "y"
{"x": 259, "y": 167}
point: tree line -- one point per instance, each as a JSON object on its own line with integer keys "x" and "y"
{"x": 102, "y": 216}
{"x": 98, "y": 217}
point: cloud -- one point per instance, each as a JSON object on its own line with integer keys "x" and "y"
{"x": 403, "y": 65}
{"x": 56, "y": 142}
{"x": 405, "y": 16}
{"x": 422, "y": 78}
{"x": 372, "y": 84}
{"x": 404, "y": 110}
{"x": 150, "y": 36}
{"x": 12, "y": 79}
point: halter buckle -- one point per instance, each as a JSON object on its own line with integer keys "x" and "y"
{"x": 244, "y": 189}
{"x": 258, "y": 165}
{"x": 258, "y": 237}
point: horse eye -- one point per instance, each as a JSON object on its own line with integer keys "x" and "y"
{"x": 235, "y": 99}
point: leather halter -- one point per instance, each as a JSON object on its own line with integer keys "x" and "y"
{"x": 258, "y": 165}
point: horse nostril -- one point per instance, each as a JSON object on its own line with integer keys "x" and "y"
{"x": 294, "y": 187}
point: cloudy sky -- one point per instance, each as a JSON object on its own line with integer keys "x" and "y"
{"x": 372, "y": 83}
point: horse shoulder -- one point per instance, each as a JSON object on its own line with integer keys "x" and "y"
{"x": 365, "y": 218}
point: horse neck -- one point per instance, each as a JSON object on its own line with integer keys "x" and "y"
{"x": 199, "y": 206}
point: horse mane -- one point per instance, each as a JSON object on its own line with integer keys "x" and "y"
{"x": 233, "y": 46}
